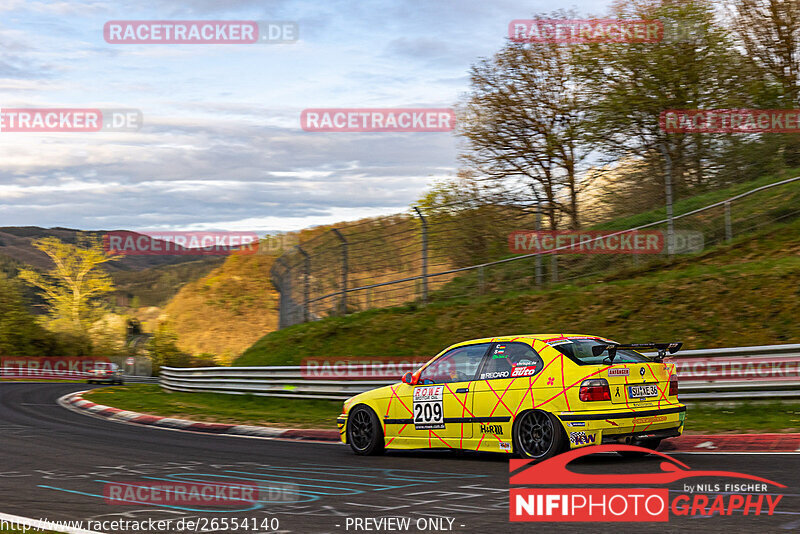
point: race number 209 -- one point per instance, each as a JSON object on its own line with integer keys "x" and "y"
{"x": 428, "y": 407}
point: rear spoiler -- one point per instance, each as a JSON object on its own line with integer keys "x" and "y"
{"x": 662, "y": 348}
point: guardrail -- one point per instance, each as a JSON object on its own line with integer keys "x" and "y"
{"x": 763, "y": 372}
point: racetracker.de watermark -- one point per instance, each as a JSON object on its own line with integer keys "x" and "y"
{"x": 378, "y": 120}
{"x": 48, "y": 367}
{"x": 391, "y": 367}
{"x": 730, "y": 120}
{"x": 168, "y": 243}
{"x": 70, "y": 120}
{"x": 196, "y": 493}
{"x": 200, "y": 32}
{"x": 576, "y": 31}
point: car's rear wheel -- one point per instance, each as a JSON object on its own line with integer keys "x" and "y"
{"x": 651, "y": 443}
{"x": 364, "y": 432}
{"x": 537, "y": 435}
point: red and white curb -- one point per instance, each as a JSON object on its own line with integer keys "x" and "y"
{"x": 76, "y": 402}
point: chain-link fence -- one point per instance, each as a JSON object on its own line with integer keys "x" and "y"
{"x": 475, "y": 248}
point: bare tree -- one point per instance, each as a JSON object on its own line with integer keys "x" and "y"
{"x": 521, "y": 120}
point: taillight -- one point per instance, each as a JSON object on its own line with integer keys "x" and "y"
{"x": 594, "y": 390}
{"x": 673, "y": 385}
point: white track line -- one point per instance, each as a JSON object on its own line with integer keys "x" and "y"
{"x": 39, "y": 524}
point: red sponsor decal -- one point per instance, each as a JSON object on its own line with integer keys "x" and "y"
{"x": 391, "y": 368}
{"x": 585, "y": 31}
{"x": 166, "y": 243}
{"x": 51, "y": 368}
{"x": 378, "y": 120}
{"x": 181, "y": 493}
{"x": 596, "y": 504}
{"x": 587, "y": 242}
{"x": 523, "y": 370}
{"x": 619, "y": 371}
{"x": 730, "y": 120}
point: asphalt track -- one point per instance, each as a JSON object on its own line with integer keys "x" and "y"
{"x": 54, "y": 464}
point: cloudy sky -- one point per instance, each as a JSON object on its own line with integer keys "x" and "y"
{"x": 221, "y": 145}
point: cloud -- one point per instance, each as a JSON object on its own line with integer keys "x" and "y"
{"x": 221, "y": 144}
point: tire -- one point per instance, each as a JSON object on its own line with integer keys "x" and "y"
{"x": 651, "y": 443}
{"x": 364, "y": 432}
{"x": 537, "y": 435}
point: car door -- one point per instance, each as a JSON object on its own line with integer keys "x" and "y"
{"x": 439, "y": 406}
{"x": 502, "y": 386}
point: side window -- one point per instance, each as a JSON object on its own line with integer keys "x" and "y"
{"x": 511, "y": 360}
{"x": 457, "y": 365}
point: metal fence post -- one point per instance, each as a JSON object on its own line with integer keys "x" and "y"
{"x": 344, "y": 270}
{"x": 554, "y": 268}
{"x": 424, "y": 255}
{"x": 728, "y": 225}
{"x": 306, "y": 283}
{"x": 277, "y": 282}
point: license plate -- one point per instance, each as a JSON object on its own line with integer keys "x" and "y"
{"x": 642, "y": 391}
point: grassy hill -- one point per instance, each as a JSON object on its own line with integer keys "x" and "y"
{"x": 227, "y": 310}
{"x": 743, "y": 293}
{"x": 157, "y": 285}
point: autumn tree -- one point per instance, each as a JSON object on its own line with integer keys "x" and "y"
{"x": 74, "y": 287}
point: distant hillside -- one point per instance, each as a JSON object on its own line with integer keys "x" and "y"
{"x": 15, "y": 243}
{"x": 157, "y": 285}
{"x": 227, "y": 310}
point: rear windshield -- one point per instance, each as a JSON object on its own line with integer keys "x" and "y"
{"x": 580, "y": 351}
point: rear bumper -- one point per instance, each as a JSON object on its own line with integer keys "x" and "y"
{"x": 615, "y": 425}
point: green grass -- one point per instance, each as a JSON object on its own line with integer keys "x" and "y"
{"x": 745, "y": 417}
{"x": 750, "y": 215}
{"x": 744, "y": 293}
{"x": 785, "y": 195}
{"x": 304, "y": 413}
{"x": 220, "y": 408}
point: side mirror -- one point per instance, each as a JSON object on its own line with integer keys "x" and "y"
{"x": 408, "y": 378}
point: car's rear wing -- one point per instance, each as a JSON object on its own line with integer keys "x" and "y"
{"x": 662, "y": 348}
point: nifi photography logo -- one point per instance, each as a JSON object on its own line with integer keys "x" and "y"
{"x": 611, "y": 497}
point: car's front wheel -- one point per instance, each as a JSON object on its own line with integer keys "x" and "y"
{"x": 537, "y": 435}
{"x": 364, "y": 432}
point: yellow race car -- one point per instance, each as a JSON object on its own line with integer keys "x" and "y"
{"x": 532, "y": 395}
